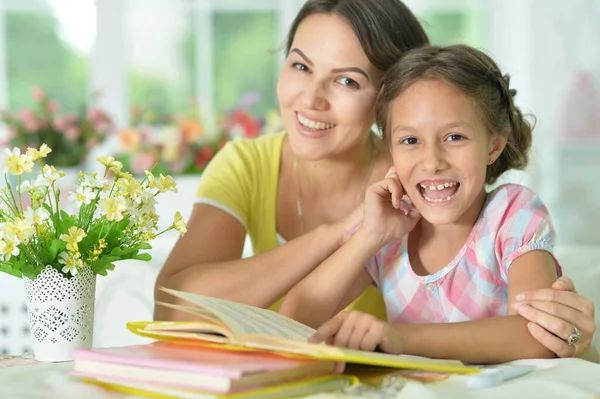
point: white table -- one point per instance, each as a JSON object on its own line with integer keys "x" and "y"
{"x": 558, "y": 378}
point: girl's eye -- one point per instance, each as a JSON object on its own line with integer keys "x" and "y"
{"x": 348, "y": 82}
{"x": 455, "y": 137}
{"x": 299, "y": 66}
{"x": 410, "y": 141}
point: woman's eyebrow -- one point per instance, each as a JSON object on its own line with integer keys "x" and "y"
{"x": 335, "y": 70}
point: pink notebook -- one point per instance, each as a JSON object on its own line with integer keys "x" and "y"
{"x": 194, "y": 367}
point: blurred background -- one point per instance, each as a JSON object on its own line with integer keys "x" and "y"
{"x": 170, "y": 81}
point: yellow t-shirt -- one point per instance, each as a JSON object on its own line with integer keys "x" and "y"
{"x": 242, "y": 181}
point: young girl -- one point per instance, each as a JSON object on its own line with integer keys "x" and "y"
{"x": 449, "y": 257}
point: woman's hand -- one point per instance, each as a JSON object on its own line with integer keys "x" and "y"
{"x": 357, "y": 330}
{"x": 555, "y": 314}
{"x": 388, "y": 214}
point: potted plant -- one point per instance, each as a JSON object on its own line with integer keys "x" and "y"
{"x": 58, "y": 250}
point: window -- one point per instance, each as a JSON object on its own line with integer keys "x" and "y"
{"x": 48, "y": 45}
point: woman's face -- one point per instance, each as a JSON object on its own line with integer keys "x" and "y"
{"x": 327, "y": 89}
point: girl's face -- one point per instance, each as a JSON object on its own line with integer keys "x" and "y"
{"x": 441, "y": 149}
{"x": 327, "y": 89}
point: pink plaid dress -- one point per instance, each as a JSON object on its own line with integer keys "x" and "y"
{"x": 474, "y": 285}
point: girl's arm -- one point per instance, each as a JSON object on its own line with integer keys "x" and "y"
{"x": 206, "y": 261}
{"x": 333, "y": 285}
{"x": 493, "y": 340}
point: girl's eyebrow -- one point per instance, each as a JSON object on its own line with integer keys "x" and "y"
{"x": 335, "y": 70}
{"x": 451, "y": 125}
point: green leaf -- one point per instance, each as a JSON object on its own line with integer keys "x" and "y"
{"x": 144, "y": 256}
{"x": 51, "y": 252}
{"x": 28, "y": 271}
{"x": 10, "y": 269}
{"x": 89, "y": 240}
{"x": 142, "y": 245}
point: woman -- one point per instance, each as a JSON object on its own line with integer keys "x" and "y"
{"x": 279, "y": 188}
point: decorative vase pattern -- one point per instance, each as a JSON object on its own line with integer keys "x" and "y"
{"x": 61, "y": 313}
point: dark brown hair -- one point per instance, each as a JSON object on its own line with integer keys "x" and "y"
{"x": 478, "y": 77}
{"x": 385, "y": 28}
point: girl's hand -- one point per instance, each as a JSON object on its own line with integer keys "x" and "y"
{"x": 555, "y": 313}
{"x": 357, "y": 330}
{"x": 388, "y": 213}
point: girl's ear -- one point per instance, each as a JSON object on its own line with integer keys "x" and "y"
{"x": 497, "y": 144}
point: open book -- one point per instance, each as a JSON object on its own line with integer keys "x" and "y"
{"x": 240, "y": 325}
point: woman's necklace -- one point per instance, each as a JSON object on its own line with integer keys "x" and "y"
{"x": 358, "y": 197}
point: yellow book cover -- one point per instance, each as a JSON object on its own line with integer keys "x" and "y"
{"x": 241, "y": 326}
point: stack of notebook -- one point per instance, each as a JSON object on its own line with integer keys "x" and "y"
{"x": 168, "y": 370}
{"x": 233, "y": 350}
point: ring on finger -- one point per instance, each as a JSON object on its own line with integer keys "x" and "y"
{"x": 574, "y": 337}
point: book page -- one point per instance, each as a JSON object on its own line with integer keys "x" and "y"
{"x": 249, "y": 320}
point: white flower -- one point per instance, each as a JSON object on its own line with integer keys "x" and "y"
{"x": 36, "y": 216}
{"x": 83, "y": 195}
{"x": 92, "y": 180}
{"x": 148, "y": 201}
{"x": 51, "y": 174}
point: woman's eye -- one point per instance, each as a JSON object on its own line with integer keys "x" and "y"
{"x": 299, "y": 66}
{"x": 410, "y": 141}
{"x": 348, "y": 82}
{"x": 455, "y": 137}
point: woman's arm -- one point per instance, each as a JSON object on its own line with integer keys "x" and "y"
{"x": 206, "y": 261}
{"x": 334, "y": 284}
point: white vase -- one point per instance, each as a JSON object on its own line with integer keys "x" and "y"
{"x": 61, "y": 313}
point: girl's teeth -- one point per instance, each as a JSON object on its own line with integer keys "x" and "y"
{"x": 438, "y": 199}
{"x": 440, "y": 186}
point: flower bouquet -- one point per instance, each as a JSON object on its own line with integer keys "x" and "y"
{"x": 59, "y": 253}
{"x": 71, "y": 136}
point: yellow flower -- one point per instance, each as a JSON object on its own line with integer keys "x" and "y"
{"x": 179, "y": 224}
{"x": 20, "y": 229}
{"x": 37, "y": 154}
{"x": 74, "y": 236}
{"x": 106, "y": 160}
{"x": 166, "y": 183}
{"x": 17, "y": 163}
{"x": 151, "y": 179}
{"x": 113, "y": 208}
{"x": 130, "y": 187}
{"x": 8, "y": 246}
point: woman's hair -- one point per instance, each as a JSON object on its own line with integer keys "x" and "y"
{"x": 385, "y": 28}
{"x": 478, "y": 77}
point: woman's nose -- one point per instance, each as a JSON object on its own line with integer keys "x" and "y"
{"x": 315, "y": 97}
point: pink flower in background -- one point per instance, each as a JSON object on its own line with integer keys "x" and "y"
{"x": 72, "y": 133}
{"x": 70, "y": 118}
{"x": 92, "y": 143}
{"x": 53, "y": 106}
{"x": 38, "y": 94}
{"x": 60, "y": 123}
{"x": 102, "y": 126}
{"x": 93, "y": 114}
{"x": 143, "y": 161}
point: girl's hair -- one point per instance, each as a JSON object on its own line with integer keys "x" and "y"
{"x": 385, "y": 28}
{"x": 478, "y": 77}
